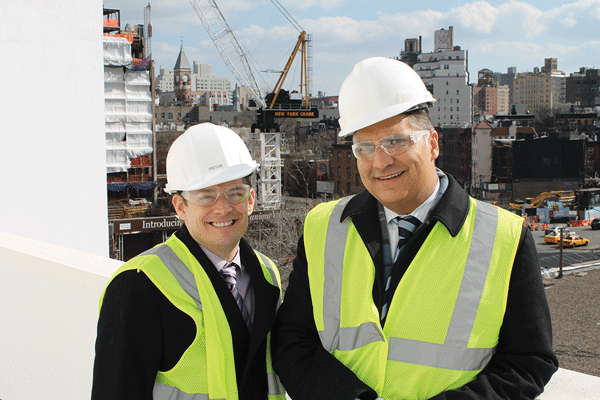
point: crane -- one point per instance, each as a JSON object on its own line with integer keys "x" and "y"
{"x": 227, "y": 45}
{"x": 235, "y": 57}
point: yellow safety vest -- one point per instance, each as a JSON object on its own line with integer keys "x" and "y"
{"x": 445, "y": 316}
{"x": 206, "y": 370}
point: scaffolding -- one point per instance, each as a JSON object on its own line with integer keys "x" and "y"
{"x": 128, "y": 107}
{"x": 270, "y": 170}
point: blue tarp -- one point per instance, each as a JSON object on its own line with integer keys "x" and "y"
{"x": 123, "y": 186}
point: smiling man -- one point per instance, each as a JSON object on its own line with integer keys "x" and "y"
{"x": 191, "y": 317}
{"x": 410, "y": 289}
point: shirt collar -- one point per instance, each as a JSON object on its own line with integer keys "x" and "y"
{"x": 423, "y": 209}
{"x": 218, "y": 261}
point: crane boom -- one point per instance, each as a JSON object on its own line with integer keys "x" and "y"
{"x": 300, "y": 45}
{"x": 227, "y": 45}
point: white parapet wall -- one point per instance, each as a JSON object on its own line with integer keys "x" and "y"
{"x": 49, "y": 310}
{"x": 52, "y": 146}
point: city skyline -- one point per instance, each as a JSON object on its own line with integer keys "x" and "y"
{"x": 496, "y": 34}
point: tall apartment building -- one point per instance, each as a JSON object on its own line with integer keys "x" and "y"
{"x": 583, "y": 88}
{"x": 444, "y": 72}
{"x": 205, "y": 87}
{"x": 489, "y": 97}
{"x": 543, "y": 89}
{"x": 165, "y": 80}
{"x": 507, "y": 79}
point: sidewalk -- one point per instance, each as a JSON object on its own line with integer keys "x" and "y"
{"x": 574, "y": 302}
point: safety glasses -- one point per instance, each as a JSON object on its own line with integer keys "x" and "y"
{"x": 208, "y": 197}
{"x": 393, "y": 145}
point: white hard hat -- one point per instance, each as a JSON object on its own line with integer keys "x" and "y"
{"x": 379, "y": 88}
{"x": 207, "y": 155}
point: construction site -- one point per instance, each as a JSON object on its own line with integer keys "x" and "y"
{"x": 140, "y": 214}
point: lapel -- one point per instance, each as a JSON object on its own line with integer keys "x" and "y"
{"x": 362, "y": 208}
{"x": 265, "y": 303}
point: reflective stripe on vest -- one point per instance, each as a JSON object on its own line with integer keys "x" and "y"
{"x": 180, "y": 271}
{"x": 274, "y": 277}
{"x": 168, "y": 392}
{"x": 187, "y": 281}
{"x": 459, "y": 357}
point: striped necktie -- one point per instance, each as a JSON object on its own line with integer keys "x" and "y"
{"x": 406, "y": 227}
{"x": 228, "y": 272}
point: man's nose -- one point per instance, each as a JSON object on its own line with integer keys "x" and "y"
{"x": 382, "y": 158}
{"x": 222, "y": 203}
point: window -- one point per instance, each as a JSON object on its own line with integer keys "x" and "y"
{"x": 348, "y": 173}
{"x": 357, "y": 179}
{"x": 349, "y": 156}
{"x": 162, "y": 115}
{"x": 339, "y": 172}
{"x": 170, "y": 116}
{"x": 339, "y": 156}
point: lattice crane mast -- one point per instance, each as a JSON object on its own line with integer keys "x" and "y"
{"x": 227, "y": 45}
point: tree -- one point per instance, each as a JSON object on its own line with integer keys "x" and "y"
{"x": 307, "y": 147}
{"x": 276, "y": 232}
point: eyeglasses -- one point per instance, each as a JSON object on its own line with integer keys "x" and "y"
{"x": 209, "y": 197}
{"x": 393, "y": 145}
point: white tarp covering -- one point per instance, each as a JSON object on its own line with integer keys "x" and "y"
{"x": 128, "y": 107}
{"x": 117, "y": 51}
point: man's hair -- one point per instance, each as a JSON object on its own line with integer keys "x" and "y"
{"x": 247, "y": 180}
{"x": 420, "y": 120}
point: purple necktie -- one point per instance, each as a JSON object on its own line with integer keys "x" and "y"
{"x": 229, "y": 276}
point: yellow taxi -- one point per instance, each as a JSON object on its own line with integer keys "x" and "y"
{"x": 575, "y": 240}
{"x": 554, "y": 237}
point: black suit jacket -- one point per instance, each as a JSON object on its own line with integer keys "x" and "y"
{"x": 141, "y": 332}
{"x": 524, "y": 360}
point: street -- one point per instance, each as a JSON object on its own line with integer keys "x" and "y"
{"x": 549, "y": 254}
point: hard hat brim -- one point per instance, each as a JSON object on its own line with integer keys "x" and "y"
{"x": 381, "y": 115}
{"x": 228, "y": 175}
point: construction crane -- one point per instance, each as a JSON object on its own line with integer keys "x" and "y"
{"x": 280, "y": 102}
{"x": 227, "y": 45}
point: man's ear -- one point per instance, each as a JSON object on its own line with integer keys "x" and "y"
{"x": 435, "y": 146}
{"x": 251, "y": 201}
{"x": 179, "y": 205}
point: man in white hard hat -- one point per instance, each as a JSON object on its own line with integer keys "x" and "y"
{"x": 191, "y": 317}
{"x": 410, "y": 289}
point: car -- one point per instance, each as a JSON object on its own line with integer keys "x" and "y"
{"x": 554, "y": 238}
{"x": 595, "y": 224}
{"x": 551, "y": 229}
{"x": 575, "y": 240}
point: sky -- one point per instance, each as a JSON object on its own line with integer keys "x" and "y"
{"x": 496, "y": 34}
